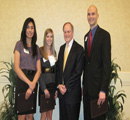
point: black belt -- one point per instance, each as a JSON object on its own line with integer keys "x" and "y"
{"x": 29, "y": 72}
{"x": 48, "y": 70}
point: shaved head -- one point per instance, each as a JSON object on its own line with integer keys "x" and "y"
{"x": 92, "y": 16}
{"x": 93, "y": 7}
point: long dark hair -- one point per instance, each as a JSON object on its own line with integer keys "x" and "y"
{"x": 34, "y": 38}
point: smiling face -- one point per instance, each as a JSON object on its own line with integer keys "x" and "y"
{"x": 68, "y": 33}
{"x": 92, "y": 16}
{"x": 30, "y": 30}
{"x": 49, "y": 39}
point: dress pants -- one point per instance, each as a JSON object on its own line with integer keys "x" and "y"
{"x": 87, "y": 110}
{"x": 68, "y": 111}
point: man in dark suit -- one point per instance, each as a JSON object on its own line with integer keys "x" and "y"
{"x": 69, "y": 70}
{"x": 97, "y": 64}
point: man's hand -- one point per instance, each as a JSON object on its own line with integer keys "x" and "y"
{"x": 62, "y": 89}
{"x": 28, "y": 93}
{"x": 101, "y": 99}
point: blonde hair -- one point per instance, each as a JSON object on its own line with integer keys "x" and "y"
{"x": 44, "y": 48}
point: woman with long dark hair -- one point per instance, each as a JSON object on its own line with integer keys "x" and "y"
{"x": 28, "y": 68}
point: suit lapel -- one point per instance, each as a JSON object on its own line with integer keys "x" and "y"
{"x": 62, "y": 56}
{"x": 85, "y": 43}
{"x": 70, "y": 55}
{"x": 94, "y": 40}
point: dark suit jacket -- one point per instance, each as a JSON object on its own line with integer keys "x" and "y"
{"x": 46, "y": 78}
{"x": 72, "y": 72}
{"x": 98, "y": 65}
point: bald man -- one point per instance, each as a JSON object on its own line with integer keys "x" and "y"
{"x": 97, "y": 64}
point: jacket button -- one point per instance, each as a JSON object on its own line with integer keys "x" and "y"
{"x": 88, "y": 62}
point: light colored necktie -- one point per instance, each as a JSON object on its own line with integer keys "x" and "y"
{"x": 65, "y": 56}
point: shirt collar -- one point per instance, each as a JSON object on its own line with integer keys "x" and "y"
{"x": 94, "y": 30}
{"x": 70, "y": 43}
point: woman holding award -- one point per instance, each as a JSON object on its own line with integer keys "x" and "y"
{"x": 47, "y": 82}
{"x": 27, "y": 66}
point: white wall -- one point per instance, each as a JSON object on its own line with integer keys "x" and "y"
{"x": 114, "y": 16}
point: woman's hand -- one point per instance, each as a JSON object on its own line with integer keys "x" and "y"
{"x": 28, "y": 93}
{"x": 47, "y": 94}
{"x": 32, "y": 85}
